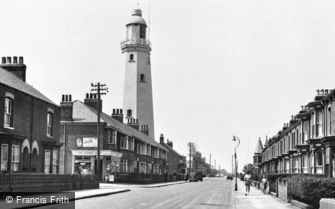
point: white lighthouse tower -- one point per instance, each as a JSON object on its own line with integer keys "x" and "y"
{"x": 137, "y": 100}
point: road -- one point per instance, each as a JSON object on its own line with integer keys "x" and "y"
{"x": 211, "y": 193}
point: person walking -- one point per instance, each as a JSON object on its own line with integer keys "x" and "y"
{"x": 265, "y": 184}
{"x": 247, "y": 180}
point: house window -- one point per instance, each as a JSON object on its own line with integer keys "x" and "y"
{"x": 319, "y": 162}
{"x": 142, "y": 168}
{"x": 4, "y": 157}
{"x": 15, "y": 158}
{"x": 112, "y": 137}
{"x": 47, "y": 161}
{"x": 124, "y": 142}
{"x": 50, "y": 124}
{"x": 142, "y": 31}
{"x": 131, "y": 166}
{"x": 142, "y": 79}
{"x": 131, "y": 142}
{"x": 131, "y": 58}
{"x": 304, "y": 164}
{"x": 148, "y": 149}
{"x": 8, "y": 117}
{"x": 123, "y": 166}
{"x": 54, "y": 160}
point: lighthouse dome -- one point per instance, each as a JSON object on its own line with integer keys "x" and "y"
{"x": 136, "y": 18}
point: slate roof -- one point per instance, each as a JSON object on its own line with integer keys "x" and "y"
{"x": 14, "y": 82}
{"x": 259, "y": 147}
{"x": 83, "y": 113}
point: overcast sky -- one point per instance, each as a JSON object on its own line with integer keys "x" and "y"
{"x": 219, "y": 68}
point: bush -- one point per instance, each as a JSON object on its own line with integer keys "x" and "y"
{"x": 311, "y": 188}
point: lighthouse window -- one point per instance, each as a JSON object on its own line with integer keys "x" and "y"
{"x": 131, "y": 58}
{"x": 142, "y": 31}
{"x": 142, "y": 78}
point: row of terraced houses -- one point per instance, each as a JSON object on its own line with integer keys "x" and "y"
{"x": 38, "y": 136}
{"x": 306, "y": 144}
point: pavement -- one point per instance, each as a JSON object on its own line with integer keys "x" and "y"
{"x": 256, "y": 199}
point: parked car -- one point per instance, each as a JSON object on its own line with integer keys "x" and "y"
{"x": 229, "y": 177}
{"x": 195, "y": 176}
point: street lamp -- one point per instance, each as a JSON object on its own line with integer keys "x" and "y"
{"x": 234, "y": 139}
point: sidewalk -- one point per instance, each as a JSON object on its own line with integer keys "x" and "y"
{"x": 256, "y": 199}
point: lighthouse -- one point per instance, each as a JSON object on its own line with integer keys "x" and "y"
{"x": 137, "y": 98}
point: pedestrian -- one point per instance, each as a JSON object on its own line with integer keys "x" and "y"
{"x": 265, "y": 183}
{"x": 247, "y": 179}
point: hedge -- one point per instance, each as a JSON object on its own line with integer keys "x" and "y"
{"x": 310, "y": 189}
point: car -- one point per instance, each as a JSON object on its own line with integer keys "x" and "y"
{"x": 229, "y": 177}
{"x": 195, "y": 176}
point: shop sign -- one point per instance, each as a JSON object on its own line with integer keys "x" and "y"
{"x": 90, "y": 142}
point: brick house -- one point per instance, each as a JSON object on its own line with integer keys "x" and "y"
{"x": 127, "y": 151}
{"x": 29, "y": 128}
{"x": 176, "y": 163}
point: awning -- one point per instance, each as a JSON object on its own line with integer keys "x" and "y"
{"x": 95, "y": 152}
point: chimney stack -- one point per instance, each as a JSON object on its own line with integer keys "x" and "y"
{"x": 66, "y": 108}
{"x": 16, "y": 68}
{"x": 169, "y": 143}
{"x": 161, "y": 139}
{"x": 118, "y": 115}
{"x": 144, "y": 129}
{"x": 91, "y": 100}
{"x": 132, "y": 122}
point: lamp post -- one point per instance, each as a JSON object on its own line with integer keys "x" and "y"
{"x": 234, "y": 139}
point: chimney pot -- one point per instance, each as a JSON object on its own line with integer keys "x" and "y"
{"x": 121, "y": 111}
{"x": 63, "y": 97}
{"x": 3, "y": 60}
{"x": 21, "y": 60}
{"x": 318, "y": 92}
{"x": 9, "y": 60}
{"x": 322, "y": 92}
{"x": 70, "y": 98}
{"x": 66, "y": 98}
{"x": 15, "y": 60}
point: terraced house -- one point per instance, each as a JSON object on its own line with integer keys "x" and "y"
{"x": 128, "y": 153}
{"x": 307, "y": 143}
{"x": 29, "y": 128}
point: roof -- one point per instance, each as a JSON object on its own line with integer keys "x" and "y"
{"x": 137, "y": 18}
{"x": 14, "y": 82}
{"x": 173, "y": 150}
{"x": 259, "y": 147}
{"x": 85, "y": 114}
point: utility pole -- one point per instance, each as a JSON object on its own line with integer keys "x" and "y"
{"x": 99, "y": 89}
{"x": 210, "y": 160}
{"x": 190, "y": 163}
{"x": 219, "y": 170}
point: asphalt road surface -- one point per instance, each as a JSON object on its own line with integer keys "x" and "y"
{"x": 212, "y": 193}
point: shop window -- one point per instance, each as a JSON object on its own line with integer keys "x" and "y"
{"x": 47, "y": 155}
{"x": 4, "y": 157}
{"x": 54, "y": 161}
{"x": 8, "y": 116}
{"x": 132, "y": 166}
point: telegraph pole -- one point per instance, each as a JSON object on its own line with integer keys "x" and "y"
{"x": 210, "y": 160}
{"x": 190, "y": 163}
{"x": 99, "y": 89}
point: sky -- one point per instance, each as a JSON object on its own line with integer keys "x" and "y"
{"x": 219, "y": 68}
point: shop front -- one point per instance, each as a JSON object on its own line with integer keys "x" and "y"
{"x": 84, "y": 162}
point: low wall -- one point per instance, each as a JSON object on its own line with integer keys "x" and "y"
{"x": 327, "y": 203}
{"x": 32, "y": 182}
